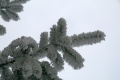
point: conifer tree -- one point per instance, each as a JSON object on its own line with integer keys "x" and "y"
{"x": 23, "y": 54}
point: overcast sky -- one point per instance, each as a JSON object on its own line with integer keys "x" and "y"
{"x": 102, "y": 61}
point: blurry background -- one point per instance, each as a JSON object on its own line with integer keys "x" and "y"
{"x": 102, "y": 61}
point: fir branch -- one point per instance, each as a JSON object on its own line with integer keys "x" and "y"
{"x": 53, "y": 35}
{"x": 13, "y": 15}
{"x": 2, "y": 30}
{"x": 72, "y": 57}
{"x": 36, "y": 68}
{"x": 25, "y": 50}
{"x": 3, "y": 3}
{"x": 8, "y": 1}
{"x": 57, "y": 32}
{"x": 5, "y": 16}
{"x": 61, "y": 28}
{"x": 65, "y": 40}
{"x": 55, "y": 58}
{"x": 15, "y": 8}
{"x": 43, "y": 40}
{"x": 49, "y": 73}
{"x": 40, "y": 53}
{"x": 48, "y": 69}
{"x": 52, "y": 53}
{"x": 6, "y": 74}
{"x": 9, "y": 9}
{"x": 18, "y": 63}
{"x": 89, "y": 38}
{"x": 18, "y": 75}
{"x": 58, "y": 63}
{"x": 17, "y": 2}
{"x": 31, "y": 67}
{"x": 6, "y": 63}
{"x": 24, "y": 44}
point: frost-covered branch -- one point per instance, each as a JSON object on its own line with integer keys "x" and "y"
{"x": 17, "y": 75}
{"x": 26, "y": 53}
{"x": 87, "y": 38}
{"x": 72, "y": 57}
{"x": 53, "y": 35}
{"x": 6, "y": 63}
{"x": 2, "y": 30}
{"x": 14, "y": 2}
{"x": 49, "y": 73}
{"x": 55, "y": 58}
{"x": 61, "y": 28}
{"x": 6, "y": 74}
{"x": 43, "y": 40}
{"x": 9, "y": 10}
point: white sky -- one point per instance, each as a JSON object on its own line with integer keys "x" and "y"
{"x": 102, "y": 61}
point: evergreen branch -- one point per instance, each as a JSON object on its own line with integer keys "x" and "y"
{"x": 31, "y": 66}
{"x": 49, "y": 73}
{"x": 13, "y": 15}
{"x": 40, "y": 53}
{"x": 43, "y": 40}
{"x": 58, "y": 63}
{"x": 8, "y": 1}
{"x": 61, "y": 28}
{"x": 5, "y": 16}
{"x": 6, "y": 74}
{"x": 55, "y": 58}
{"x": 52, "y": 53}
{"x": 65, "y": 40}
{"x": 57, "y": 32}
{"x": 14, "y": 8}
{"x": 9, "y": 9}
{"x": 2, "y": 30}
{"x": 3, "y": 3}
{"x": 17, "y": 2}
{"x": 18, "y": 75}
{"x": 53, "y": 35}
{"x": 48, "y": 69}
{"x": 25, "y": 50}
{"x": 72, "y": 57}
{"x": 6, "y": 63}
{"x": 87, "y": 38}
